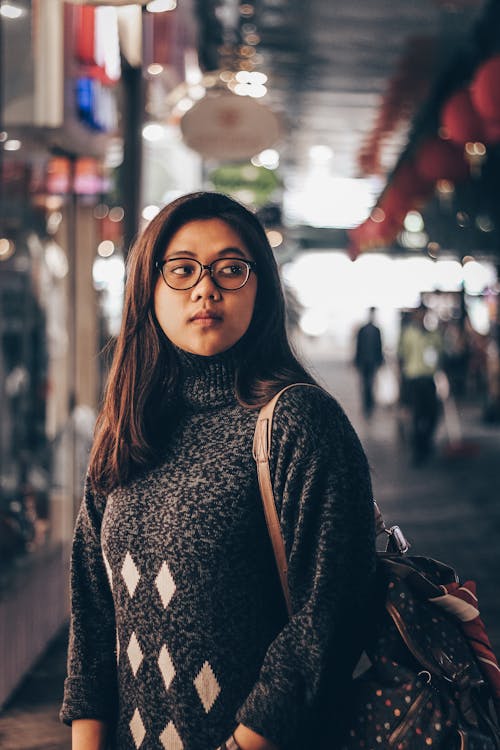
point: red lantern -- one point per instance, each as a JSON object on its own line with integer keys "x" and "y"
{"x": 460, "y": 120}
{"x": 406, "y": 190}
{"x": 492, "y": 131}
{"x": 485, "y": 89}
{"x": 395, "y": 203}
{"x": 441, "y": 160}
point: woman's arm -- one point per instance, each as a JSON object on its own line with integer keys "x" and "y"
{"x": 322, "y": 489}
{"x": 88, "y": 734}
{"x": 90, "y": 690}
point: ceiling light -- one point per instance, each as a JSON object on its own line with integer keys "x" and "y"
{"x": 12, "y": 145}
{"x": 259, "y": 77}
{"x": 247, "y": 10}
{"x": 9, "y": 10}
{"x": 155, "y": 69}
{"x": 116, "y": 214}
{"x": 251, "y": 77}
{"x": 101, "y": 211}
{"x": 413, "y": 222}
{"x": 256, "y": 91}
{"x": 149, "y": 212}
{"x": 243, "y": 76}
{"x": 269, "y": 158}
{"x": 106, "y": 248}
{"x": 433, "y": 249}
{"x": 377, "y": 215}
{"x": 485, "y": 223}
{"x": 184, "y": 104}
{"x": 196, "y": 92}
{"x": 274, "y": 237}
{"x": 159, "y": 6}
{"x": 7, "y": 248}
{"x": 153, "y": 132}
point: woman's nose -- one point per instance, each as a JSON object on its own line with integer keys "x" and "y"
{"x": 205, "y": 288}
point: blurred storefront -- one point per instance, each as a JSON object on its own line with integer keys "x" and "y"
{"x": 61, "y": 209}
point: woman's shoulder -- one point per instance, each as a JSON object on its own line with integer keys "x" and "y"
{"x": 308, "y": 412}
{"x": 306, "y": 397}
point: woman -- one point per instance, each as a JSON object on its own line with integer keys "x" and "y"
{"x": 179, "y": 633}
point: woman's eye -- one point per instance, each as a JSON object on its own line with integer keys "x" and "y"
{"x": 233, "y": 269}
{"x": 181, "y": 270}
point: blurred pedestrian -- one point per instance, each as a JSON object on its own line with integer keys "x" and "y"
{"x": 368, "y": 358}
{"x": 419, "y": 354}
{"x": 179, "y": 632}
{"x": 456, "y": 355}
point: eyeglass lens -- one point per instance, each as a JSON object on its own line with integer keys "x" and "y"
{"x": 184, "y": 273}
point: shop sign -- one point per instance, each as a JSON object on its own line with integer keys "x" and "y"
{"x": 97, "y": 43}
{"x": 229, "y": 127}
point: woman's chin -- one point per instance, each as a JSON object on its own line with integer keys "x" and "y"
{"x": 205, "y": 347}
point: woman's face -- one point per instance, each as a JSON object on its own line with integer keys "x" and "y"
{"x": 204, "y": 320}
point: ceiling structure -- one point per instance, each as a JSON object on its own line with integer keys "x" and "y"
{"x": 351, "y": 77}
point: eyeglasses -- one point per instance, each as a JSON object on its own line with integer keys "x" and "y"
{"x": 226, "y": 273}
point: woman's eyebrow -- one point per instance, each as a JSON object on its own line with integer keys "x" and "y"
{"x": 226, "y": 251}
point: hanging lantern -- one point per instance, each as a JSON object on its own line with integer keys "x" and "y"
{"x": 441, "y": 160}
{"x": 406, "y": 190}
{"x": 492, "y": 131}
{"x": 460, "y": 120}
{"x": 485, "y": 88}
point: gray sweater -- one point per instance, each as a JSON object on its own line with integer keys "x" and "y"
{"x": 178, "y": 628}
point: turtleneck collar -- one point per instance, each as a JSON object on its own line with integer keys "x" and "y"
{"x": 206, "y": 382}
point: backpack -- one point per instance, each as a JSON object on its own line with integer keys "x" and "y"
{"x": 432, "y": 680}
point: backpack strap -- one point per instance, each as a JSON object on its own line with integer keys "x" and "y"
{"x": 261, "y": 454}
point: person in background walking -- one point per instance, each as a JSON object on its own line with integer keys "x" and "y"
{"x": 419, "y": 353}
{"x": 368, "y": 358}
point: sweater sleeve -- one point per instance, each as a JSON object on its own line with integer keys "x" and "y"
{"x": 90, "y": 687}
{"x": 323, "y": 495}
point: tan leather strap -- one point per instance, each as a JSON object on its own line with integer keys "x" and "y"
{"x": 261, "y": 454}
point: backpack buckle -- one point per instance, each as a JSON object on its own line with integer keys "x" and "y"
{"x": 397, "y": 540}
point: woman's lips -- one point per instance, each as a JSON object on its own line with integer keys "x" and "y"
{"x": 206, "y": 319}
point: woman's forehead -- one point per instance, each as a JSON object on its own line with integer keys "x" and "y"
{"x": 208, "y": 235}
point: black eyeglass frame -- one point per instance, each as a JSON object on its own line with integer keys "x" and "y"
{"x": 250, "y": 264}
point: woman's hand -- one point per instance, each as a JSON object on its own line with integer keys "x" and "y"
{"x": 247, "y": 739}
{"x": 88, "y": 734}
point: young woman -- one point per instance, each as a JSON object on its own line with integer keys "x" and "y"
{"x": 179, "y": 633}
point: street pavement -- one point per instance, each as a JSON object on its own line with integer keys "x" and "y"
{"x": 449, "y": 509}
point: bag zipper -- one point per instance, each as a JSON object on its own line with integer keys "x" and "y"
{"x": 404, "y": 725}
{"x": 399, "y": 623}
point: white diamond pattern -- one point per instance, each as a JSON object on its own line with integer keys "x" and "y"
{"x": 165, "y": 584}
{"x": 207, "y": 686}
{"x": 167, "y": 668}
{"x": 108, "y": 570}
{"x": 130, "y": 574}
{"x": 170, "y": 739}
{"x": 137, "y": 729}
{"x": 134, "y": 653}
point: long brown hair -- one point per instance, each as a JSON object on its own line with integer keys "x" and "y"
{"x": 144, "y": 372}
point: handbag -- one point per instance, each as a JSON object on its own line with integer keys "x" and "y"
{"x": 432, "y": 680}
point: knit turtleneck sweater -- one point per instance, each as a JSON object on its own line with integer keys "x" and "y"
{"x": 178, "y": 627}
